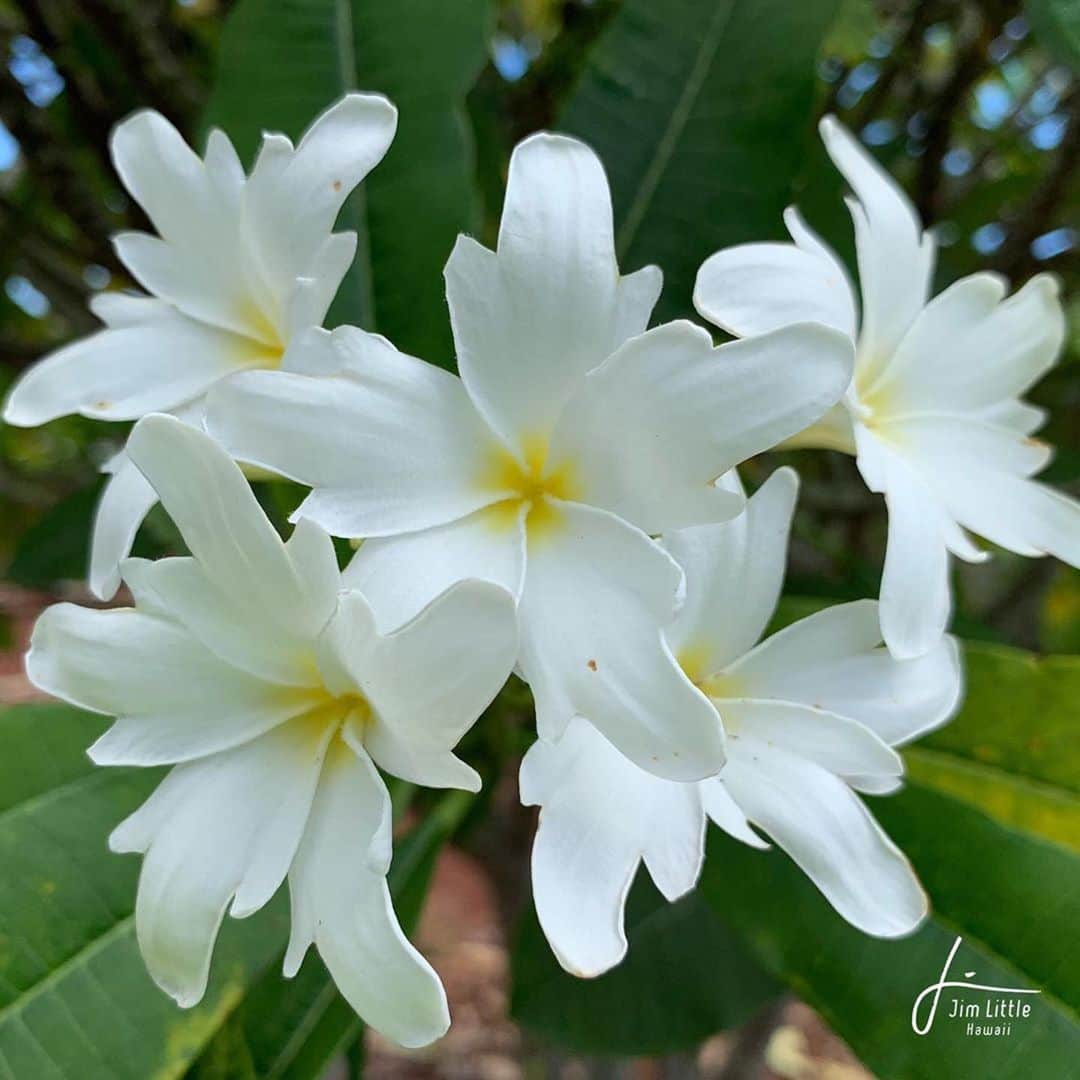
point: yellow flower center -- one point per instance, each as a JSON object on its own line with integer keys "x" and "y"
{"x": 263, "y": 346}
{"x": 692, "y": 659}
{"x": 722, "y": 685}
{"x": 533, "y": 484}
{"x": 326, "y": 713}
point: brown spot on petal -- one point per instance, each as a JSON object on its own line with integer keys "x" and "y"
{"x": 591, "y": 665}
{"x": 337, "y": 185}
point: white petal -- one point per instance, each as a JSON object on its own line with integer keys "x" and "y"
{"x": 175, "y": 700}
{"x": 734, "y": 572}
{"x": 754, "y": 288}
{"x": 896, "y": 258}
{"x": 968, "y": 350}
{"x": 311, "y": 552}
{"x": 206, "y": 276}
{"x": 946, "y": 447}
{"x": 311, "y": 295}
{"x": 875, "y": 785}
{"x": 430, "y": 680}
{"x": 199, "y": 263}
{"x": 635, "y": 297}
{"x": 675, "y": 853}
{"x": 162, "y": 173}
{"x": 832, "y": 660}
{"x": 600, "y": 817}
{"x": 394, "y": 447}
{"x": 123, "y": 373}
{"x": 530, "y": 321}
{"x": 116, "y": 309}
{"x": 291, "y": 207}
{"x": 725, "y": 812}
{"x": 843, "y": 746}
{"x": 915, "y": 597}
{"x": 343, "y": 905}
{"x": 889, "y": 449}
{"x": 312, "y": 351}
{"x": 221, "y": 521}
{"x": 1017, "y": 415}
{"x": 1018, "y": 514}
{"x": 916, "y": 601}
{"x": 223, "y": 166}
{"x": 979, "y": 472}
{"x": 400, "y": 757}
{"x": 597, "y": 596}
{"x": 651, "y": 430}
{"x": 400, "y": 575}
{"x": 227, "y": 826}
{"x": 274, "y": 154}
{"x": 180, "y": 589}
{"x": 822, "y": 825}
{"x": 126, "y": 500}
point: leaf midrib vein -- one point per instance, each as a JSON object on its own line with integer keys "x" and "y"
{"x": 665, "y": 149}
{"x": 86, "y": 953}
{"x": 357, "y": 204}
{"x": 1047, "y": 789}
{"x": 44, "y": 798}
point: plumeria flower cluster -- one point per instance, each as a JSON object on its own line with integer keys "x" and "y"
{"x": 572, "y": 437}
{"x": 566, "y": 507}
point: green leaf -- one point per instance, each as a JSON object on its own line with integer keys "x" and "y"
{"x": 1012, "y": 750}
{"x": 75, "y": 999}
{"x": 685, "y": 977}
{"x": 293, "y": 1028}
{"x": 1057, "y": 26}
{"x": 700, "y": 113}
{"x": 57, "y": 546}
{"x": 1011, "y": 897}
{"x": 284, "y": 61}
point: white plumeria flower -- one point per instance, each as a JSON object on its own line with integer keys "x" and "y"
{"x": 811, "y": 716}
{"x": 570, "y": 439}
{"x": 242, "y": 266}
{"x": 933, "y": 413}
{"x": 275, "y": 697}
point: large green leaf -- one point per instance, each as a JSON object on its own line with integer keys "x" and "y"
{"x": 1012, "y": 751}
{"x": 284, "y": 61}
{"x": 1057, "y": 26}
{"x": 700, "y": 113}
{"x": 75, "y": 999}
{"x": 1010, "y": 896}
{"x": 685, "y": 977}
{"x": 57, "y": 545}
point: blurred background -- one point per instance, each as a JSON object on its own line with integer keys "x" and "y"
{"x": 973, "y": 106}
